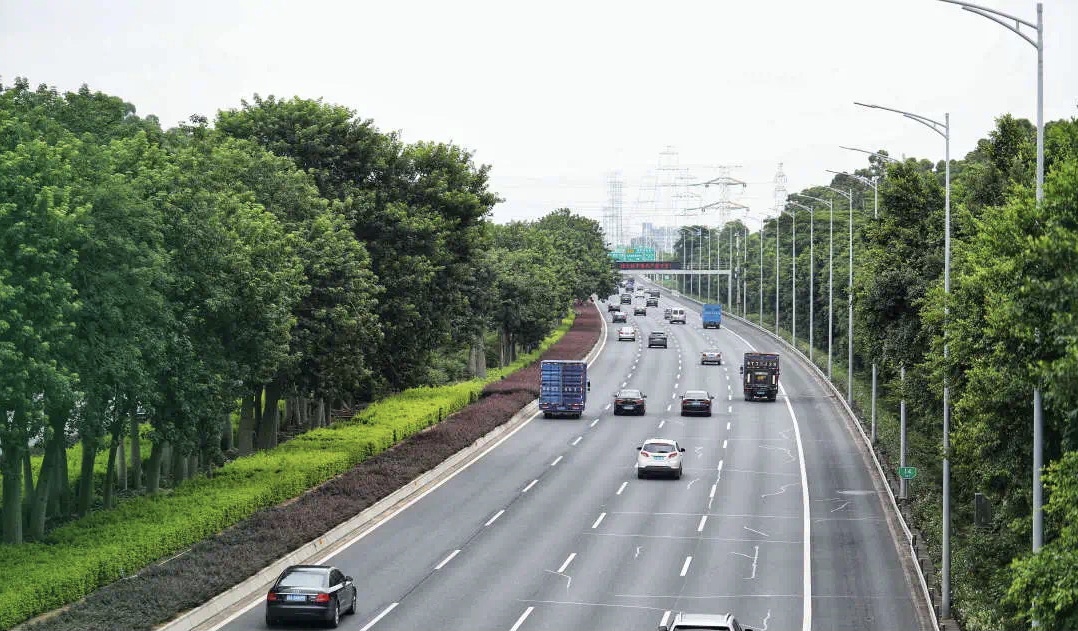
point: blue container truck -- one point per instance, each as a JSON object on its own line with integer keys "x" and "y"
{"x": 712, "y": 316}
{"x": 563, "y": 387}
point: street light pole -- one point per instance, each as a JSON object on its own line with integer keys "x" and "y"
{"x": 943, "y": 129}
{"x": 830, "y": 274}
{"x": 793, "y": 277}
{"x": 1038, "y": 415}
{"x": 848, "y": 194}
{"x": 812, "y": 269}
{"x": 778, "y": 234}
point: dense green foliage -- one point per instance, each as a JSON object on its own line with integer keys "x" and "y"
{"x": 289, "y": 261}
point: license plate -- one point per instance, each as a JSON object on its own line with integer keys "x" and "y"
{"x": 626, "y": 407}
{"x": 659, "y": 457}
{"x": 296, "y": 597}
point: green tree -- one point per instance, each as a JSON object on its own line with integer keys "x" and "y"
{"x": 37, "y": 301}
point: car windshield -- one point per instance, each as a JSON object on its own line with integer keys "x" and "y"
{"x": 658, "y": 448}
{"x": 629, "y": 394}
{"x": 658, "y": 334}
{"x": 696, "y": 394}
{"x": 303, "y": 578}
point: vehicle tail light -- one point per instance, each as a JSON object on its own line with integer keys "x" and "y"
{"x": 645, "y": 454}
{"x": 640, "y": 401}
{"x": 321, "y": 598}
{"x": 271, "y": 596}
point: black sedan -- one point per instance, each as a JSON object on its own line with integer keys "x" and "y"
{"x": 619, "y": 316}
{"x": 629, "y": 402}
{"x": 319, "y": 593}
{"x": 696, "y": 402}
{"x": 638, "y": 310}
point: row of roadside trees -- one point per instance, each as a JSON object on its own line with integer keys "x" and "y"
{"x": 196, "y": 289}
{"x": 1012, "y": 325}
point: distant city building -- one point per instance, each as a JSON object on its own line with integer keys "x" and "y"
{"x": 661, "y": 238}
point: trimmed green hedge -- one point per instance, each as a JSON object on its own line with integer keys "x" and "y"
{"x": 105, "y": 546}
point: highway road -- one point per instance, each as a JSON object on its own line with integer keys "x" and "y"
{"x": 775, "y": 519}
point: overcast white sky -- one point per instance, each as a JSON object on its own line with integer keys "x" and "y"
{"x": 558, "y": 95}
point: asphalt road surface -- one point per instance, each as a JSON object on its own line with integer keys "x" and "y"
{"x": 775, "y": 519}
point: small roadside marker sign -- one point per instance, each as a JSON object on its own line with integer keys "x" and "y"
{"x": 907, "y": 473}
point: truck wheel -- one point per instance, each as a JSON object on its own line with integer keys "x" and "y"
{"x": 546, "y": 414}
{"x": 771, "y": 398}
{"x": 639, "y": 475}
{"x": 748, "y": 398}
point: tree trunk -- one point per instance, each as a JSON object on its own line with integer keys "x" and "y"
{"x": 60, "y": 487}
{"x": 478, "y": 358}
{"x": 39, "y": 506}
{"x": 267, "y": 426}
{"x": 121, "y": 461}
{"x": 227, "y": 439}
{"x": 192, "y": 464}
{"x": 86, "y": 475}
{"x": 27, "y": 474}
{"x": 110, "y": 472}
{"x": 153, "y": 468}
{"x": 11, "y": 468}
{"x": 245, "y": 441}
{"x": 320, "y": 415}
{"x": 179, "y": 466}
{"x": 136, "y": 455}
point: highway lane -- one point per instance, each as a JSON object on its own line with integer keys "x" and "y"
{"x": 552, "y": 530}
{"x": 861, "y": 579}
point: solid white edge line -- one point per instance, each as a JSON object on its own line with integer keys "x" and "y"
{"x": 685, "y": 566}
{"x": 806, "y": 537}
{"x": 622, "y": 488}
{"x": 530, "y": 485}
{"x": 495, "y": 517}
{"x": 568, "y": 560}
{"x": 598, "y": 521}
{"x": 385, "y": 611}
{"x": 521, "y": 619}
{"x": 447, "y": 559}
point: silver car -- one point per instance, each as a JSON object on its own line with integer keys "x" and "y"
{"x": 659, "y": 455}
{"x": 626, "y": 333}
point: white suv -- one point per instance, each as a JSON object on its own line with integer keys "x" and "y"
{"x": 718, "y": 622}
{"x": 677, "y": 315}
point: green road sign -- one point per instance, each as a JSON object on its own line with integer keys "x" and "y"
{"x": 634, "y": 255}
{"x": 907, "y": 473}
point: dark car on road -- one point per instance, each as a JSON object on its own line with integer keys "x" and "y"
{"x": 652, "y": 302}
{"x": 613, "y": 306}
{"x": 696, "y": 402}
{"x": 629, "y": 402}
{"x": 318, "y": 593}
{"x": 626, "y": 299}
{"x": 638, "y": 310}
{"x": 619, "y": 316}
{"x": 657, "y": 338}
